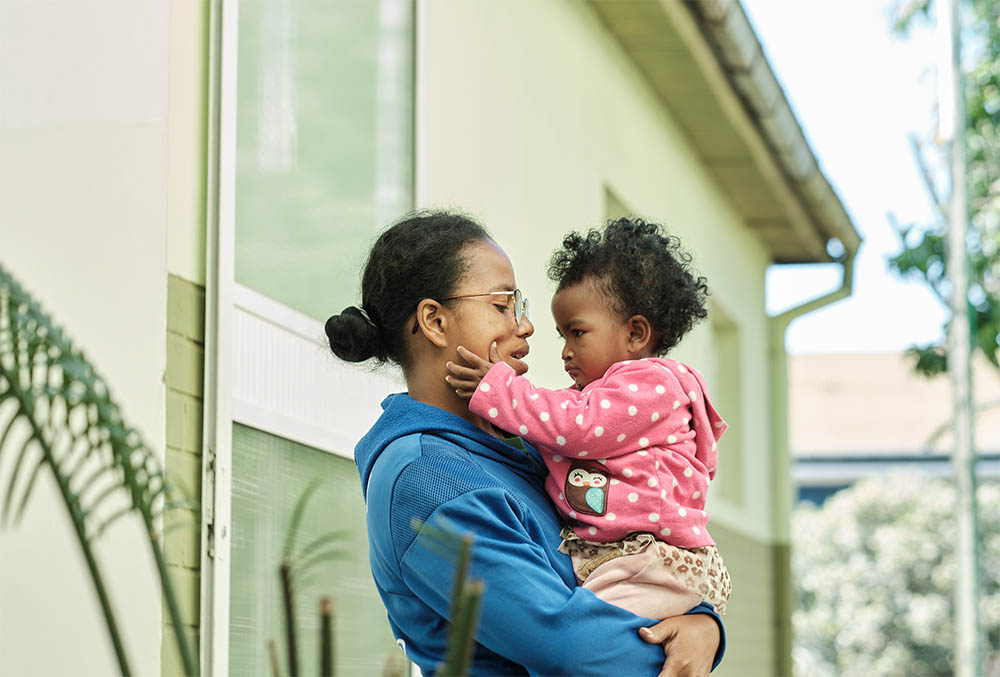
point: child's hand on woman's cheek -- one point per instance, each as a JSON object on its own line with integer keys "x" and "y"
{"x": 465, "y": 380}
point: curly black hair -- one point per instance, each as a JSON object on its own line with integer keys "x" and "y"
{"x": 642, "y": 270}
{"x": 422, "y": 256}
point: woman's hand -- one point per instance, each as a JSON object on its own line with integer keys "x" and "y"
{"x": 689, "y": 643}
{"x": 465, "y": 380}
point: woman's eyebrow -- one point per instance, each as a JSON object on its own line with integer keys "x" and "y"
{"x": 503, "y": 287}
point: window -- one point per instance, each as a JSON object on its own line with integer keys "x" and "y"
{"x": 324, "y": 143}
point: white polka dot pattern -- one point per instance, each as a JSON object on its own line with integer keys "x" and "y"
{"x": 619, "y": 411}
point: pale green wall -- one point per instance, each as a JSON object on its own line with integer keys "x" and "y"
{"x": 187, "y": 186}
{"x": 541, "y": 115}
{"x": 184, "y": 379}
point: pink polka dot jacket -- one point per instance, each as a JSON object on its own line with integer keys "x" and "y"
{"x": 632, "y": 451}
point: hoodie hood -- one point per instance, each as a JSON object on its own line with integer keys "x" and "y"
{"x": 402, "y": 416}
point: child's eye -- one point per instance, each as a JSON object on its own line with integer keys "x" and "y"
{"x": 577, "y": 333}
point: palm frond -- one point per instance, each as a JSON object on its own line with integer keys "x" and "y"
{"x": 64, "y": 414}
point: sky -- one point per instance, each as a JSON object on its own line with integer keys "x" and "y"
{"x": 858, "y": 92}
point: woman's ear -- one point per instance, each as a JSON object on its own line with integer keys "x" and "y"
{"x": 432, "y": 322}
{"x": 640, "y": 334}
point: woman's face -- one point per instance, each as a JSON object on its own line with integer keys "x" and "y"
{"x": 481, "y": 320}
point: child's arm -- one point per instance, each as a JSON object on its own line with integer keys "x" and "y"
{"x": 615, "y": 417}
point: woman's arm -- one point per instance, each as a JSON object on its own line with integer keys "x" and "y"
{"x": 529, "y": 614}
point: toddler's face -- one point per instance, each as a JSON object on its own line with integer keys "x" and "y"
{"x": 594, "y": 336}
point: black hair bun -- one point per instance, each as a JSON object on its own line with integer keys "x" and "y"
{"x": 353, "y": 337}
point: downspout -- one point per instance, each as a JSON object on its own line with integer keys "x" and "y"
{"x": 781, "y": 466}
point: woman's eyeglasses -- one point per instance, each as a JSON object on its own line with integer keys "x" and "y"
{"x": 520, "y": 303}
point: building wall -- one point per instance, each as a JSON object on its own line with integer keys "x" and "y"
{"x": 83, "y": 199}
{"x": 883, "y": 406}
{"x": 543, "y": 113}
{"x": 187, "y": 187}
{"x": 529, "y": 115}
{"x": 184, "y": 411}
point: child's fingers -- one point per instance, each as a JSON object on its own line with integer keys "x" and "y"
{"x": 494, "y": 353}
{"x": 465, "y": 394}
{"x": 459, "y": 371}
{"x": 471, "y": 358}
{"x": 459, "y": 382}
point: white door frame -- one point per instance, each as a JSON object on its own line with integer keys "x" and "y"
{"x": 217, "y": 431}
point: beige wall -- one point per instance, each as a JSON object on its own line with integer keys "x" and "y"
{"x": 187, "y": 132}
{"x": 876, "y": 404}
{"x": 527, "y": 112}
{"x": 83, "y": 160}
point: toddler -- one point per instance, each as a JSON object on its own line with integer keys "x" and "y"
{"x": 632, "y": 445}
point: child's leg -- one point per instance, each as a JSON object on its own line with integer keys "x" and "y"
{"x": 656, "y": 579}
{"x": 643, "y": 584}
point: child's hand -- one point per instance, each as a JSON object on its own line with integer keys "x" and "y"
{"x": 465, "y": 380}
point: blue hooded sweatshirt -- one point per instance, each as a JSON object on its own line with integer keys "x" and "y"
{"x": 420, "y": 462}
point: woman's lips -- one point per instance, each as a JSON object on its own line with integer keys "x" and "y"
{"x": 515, "y": 360}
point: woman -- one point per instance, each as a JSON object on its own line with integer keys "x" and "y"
{"x": 433, "y": 282}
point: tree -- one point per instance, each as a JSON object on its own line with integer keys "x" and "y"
{"x": 923, "y": 254}
{"x": 873, "y": 570}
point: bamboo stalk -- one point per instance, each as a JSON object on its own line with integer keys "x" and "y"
{"x": 326, "y": 668}
{"x": 286, "y": 593}
{"x": 272, "y": 652}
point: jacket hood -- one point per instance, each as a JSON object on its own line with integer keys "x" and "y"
{"x": 402, "y": 415}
